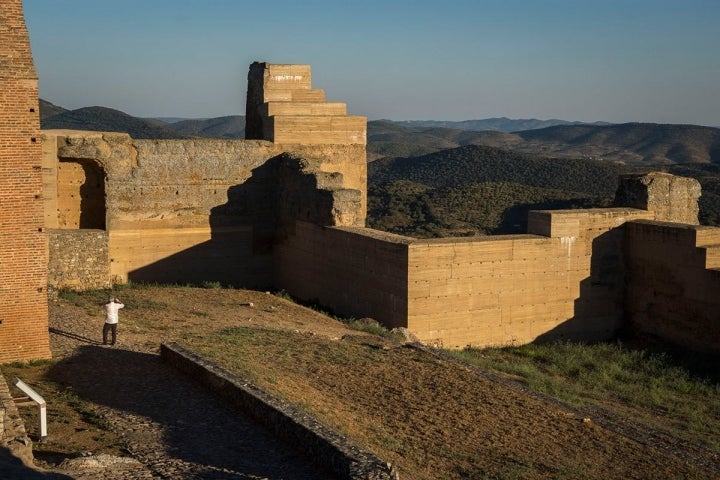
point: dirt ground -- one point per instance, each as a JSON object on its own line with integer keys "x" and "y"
{"x": 430, "y": 416}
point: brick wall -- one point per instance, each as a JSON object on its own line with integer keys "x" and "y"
{"x": 23, "y": 245}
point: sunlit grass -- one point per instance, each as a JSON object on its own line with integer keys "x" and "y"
{"x": 681, "y": 387}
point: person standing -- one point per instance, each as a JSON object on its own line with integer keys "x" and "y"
{"x": 111, "y": 320}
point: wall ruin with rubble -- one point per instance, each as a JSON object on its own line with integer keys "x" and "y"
{"x": 260, "y": 214}
{"x": 286, "y": 209}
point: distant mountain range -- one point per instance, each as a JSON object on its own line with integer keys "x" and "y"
{"x": 501, "y": 124}
{"x": 628, "y": 143}
{"x": 430, "y": 181}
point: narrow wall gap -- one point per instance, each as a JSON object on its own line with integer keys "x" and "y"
{"x": 81, "y": 194}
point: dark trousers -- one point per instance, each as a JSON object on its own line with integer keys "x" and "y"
{"x": 112, "y": 329}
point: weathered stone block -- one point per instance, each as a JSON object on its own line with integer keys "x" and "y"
{"x": 670, "y": 198}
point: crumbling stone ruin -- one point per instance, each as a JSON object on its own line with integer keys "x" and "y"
{"x": 286, "y": 209}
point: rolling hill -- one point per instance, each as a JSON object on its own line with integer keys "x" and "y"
{"x": 477, "y": 164}
{"x": 48, "y": 109}
{"x": 101, "y": 119}
{"x": 417, "y": 210}
{"x": 219, "y": 127}
{"x": 501, "y": 124}
{"x": 479, "y": 190}
{"x": 639, "y": 142}
{"x": 629, "y": 143}
{"x": 432, "y": 181}
{"x": 475, "y": 190}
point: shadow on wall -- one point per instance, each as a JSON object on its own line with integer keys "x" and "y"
{"x": 599, "y": 309}
{"x": 239, "y": 252}
{"x": 141, "y": 385}
{"x": 92, "y": 197}
{"x": 81, "y": 185}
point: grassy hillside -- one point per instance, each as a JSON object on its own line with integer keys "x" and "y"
{"x": 637, "y": 413}
{"x": 476, "y": 164}
{"x": 417, "y": 210}
{"x": 477, "y": 190}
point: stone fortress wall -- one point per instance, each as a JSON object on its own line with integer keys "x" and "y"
{"x": 578, "y": 274}
{"x": 286, "y": 209}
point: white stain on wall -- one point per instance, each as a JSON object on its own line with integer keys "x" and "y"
{"x": 287, "y": 78}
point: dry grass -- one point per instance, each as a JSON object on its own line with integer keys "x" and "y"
{"x": 433, "y": 417}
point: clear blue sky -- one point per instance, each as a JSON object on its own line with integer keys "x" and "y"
{"x": 590, "y": 60}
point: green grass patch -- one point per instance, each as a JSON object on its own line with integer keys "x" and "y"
{"x": 679, "y": 386}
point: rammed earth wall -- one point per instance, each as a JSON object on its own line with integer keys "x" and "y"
{"x": 673, "y": 290}
{"x": 566, "y": 282}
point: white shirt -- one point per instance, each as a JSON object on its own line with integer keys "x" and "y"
{"x": 111, "y": 311}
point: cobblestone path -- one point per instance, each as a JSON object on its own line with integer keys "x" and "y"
{"x": 171, "y": 427}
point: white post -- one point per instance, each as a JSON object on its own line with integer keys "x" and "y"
{"x": 37, "y": 399}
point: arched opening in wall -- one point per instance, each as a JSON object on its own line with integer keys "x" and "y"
{"x": 81, "y": 194}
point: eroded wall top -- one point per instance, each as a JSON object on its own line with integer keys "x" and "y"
{"x": 670, "y": 198}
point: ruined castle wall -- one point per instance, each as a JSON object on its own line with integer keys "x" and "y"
{"x": 674, "y": 273}
{"x": 282, "y": 107}
{"x": 23, "y": 245}
{"x": 177, "y": 210}
{"x": 564, "y": 283}
{"x": 349, "y": 160}
{"x": 670, "y": 198}
{"x": 356, "y": 272}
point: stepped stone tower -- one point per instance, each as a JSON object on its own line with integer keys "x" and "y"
{"x": 282, "y": 107}
{"x": 23, "y": 244}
